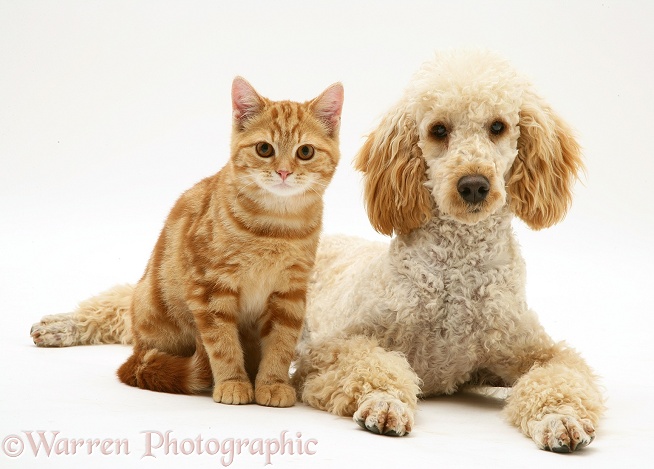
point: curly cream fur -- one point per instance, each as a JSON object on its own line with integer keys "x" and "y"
{"x": 444, "y": 305}
{"x": 102, "y": 319}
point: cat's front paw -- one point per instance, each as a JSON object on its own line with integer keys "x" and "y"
{"x": 233, "y": 392}
{"x": 562, "y": 433}
{"x": 55, "y": 331}
{"x": 384, "y": 415}
{"x": 275, "y": 395}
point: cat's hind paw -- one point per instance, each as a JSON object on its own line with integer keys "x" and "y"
{"x": 275, "y": 395}
{"x": 55, "y": 331}
{"x": 233, "y": 392}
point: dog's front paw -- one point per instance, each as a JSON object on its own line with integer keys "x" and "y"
{"x": 54, "y": 331}
{"x": 562, "y": 433}
{"x": 384, "y": 415}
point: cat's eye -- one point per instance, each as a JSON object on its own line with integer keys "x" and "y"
{"x": 439, "y": 131}
{"x": 305, "y": 152}
{"x": 265, "y": 150}
{"x": 497, "y": 128}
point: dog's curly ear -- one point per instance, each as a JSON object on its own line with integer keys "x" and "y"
{"x": 546, "y": 168}
{"x": 393, "y": 169}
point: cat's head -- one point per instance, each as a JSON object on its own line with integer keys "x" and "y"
{"x": 283, "y": 149}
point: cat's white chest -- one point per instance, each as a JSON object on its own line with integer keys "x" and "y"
{"x": 256, "y": 286}
{"x": 253, "y": 299}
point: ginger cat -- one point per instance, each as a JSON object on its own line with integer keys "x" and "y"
{"x": 222, "y": 301}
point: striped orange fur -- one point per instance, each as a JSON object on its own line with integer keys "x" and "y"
{"x": 222, "y": 300}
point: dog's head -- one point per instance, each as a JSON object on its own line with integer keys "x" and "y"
{"x": 469, "y": 136}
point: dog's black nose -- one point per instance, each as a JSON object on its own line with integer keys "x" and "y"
{"x": 473, "y": 189}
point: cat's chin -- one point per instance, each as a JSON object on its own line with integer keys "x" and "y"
{"x": 284, "y": 190}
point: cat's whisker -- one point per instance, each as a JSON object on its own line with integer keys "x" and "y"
{"x": 238, "y": 194}
{"x": 315, "y": 191}
{"x": 318, "y": 183}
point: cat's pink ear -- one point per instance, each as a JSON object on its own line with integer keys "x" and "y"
{"x": 246, "y": 102}
{"x": 328, "y": 106}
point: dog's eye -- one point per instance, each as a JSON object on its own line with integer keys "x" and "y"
{"x": 265, "y": 150}
{"x": 497, "y": 127}
{"x": 439, "y": 131}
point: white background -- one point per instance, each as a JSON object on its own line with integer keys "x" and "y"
{"x": 109, "y": 110}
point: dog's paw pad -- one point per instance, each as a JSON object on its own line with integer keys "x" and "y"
{"x": 562, "y": 433}
{"x": 384, "y": 416}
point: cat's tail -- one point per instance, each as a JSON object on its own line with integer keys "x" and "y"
{"x": 159, "y": 371}
{"x": 106, "y": 319}
{"x": 102, "y": 319}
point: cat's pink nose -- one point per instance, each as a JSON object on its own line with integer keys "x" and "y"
{"x": 283, "y": 174}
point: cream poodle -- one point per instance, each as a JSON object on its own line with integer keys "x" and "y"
{"x": 469, "y": 145}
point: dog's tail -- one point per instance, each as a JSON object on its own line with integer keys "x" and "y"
{"x": 102, "y": 319}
